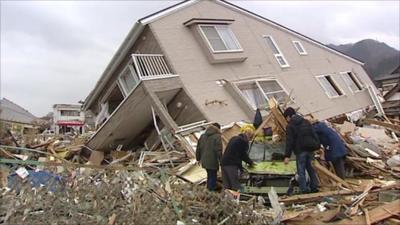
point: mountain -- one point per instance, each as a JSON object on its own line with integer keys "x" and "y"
{"x": 379, "y": 58}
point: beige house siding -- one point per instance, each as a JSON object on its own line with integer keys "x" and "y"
{"x": 198, "y": 74}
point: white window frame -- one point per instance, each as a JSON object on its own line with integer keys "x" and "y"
{"x": 304, "y": 52}
{"x": 335, "y": 83}
{"x": 356, "y": 80}
{"x": 120, "y": 84}
{"x": 265, "y": 94}
{"x": 280, "y": 54}
{"x": 240, "y": 49}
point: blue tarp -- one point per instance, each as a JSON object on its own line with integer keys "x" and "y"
{"x": 37, "y": 179}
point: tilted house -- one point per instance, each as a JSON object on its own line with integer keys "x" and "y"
{"x": 214, "y": 61}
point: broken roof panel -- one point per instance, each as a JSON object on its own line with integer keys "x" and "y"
{"x": 10, "y": 111}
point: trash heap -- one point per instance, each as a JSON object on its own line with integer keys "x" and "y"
{"x": 59, "y": 180}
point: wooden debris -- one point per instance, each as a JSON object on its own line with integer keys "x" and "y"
{"x": 324, "y": 170}
{"x": 388, "y": 125}
{"x": 367, "y": 219}
{"x": 315, "y": 196}
{"x": 276, "y": 112}
{"x": 96, "y": 158}
{"x": 112, "y": 219}
{"x": 376, "y": 215}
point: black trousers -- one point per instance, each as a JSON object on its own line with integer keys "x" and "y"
{"x": 338, "y": 165}
{"x": 211, "y": 179}
{"x": 230, "y": 177}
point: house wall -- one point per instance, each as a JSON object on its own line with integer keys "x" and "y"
{"x": 145, "y": 44}
{"x": 183, "y": 50}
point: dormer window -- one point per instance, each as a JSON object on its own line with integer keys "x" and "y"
{"x": 220, "y": 38}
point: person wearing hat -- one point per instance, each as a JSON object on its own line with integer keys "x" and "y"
{"x": 234, "y": 154}
{"x": 209, "y": 152}
{"x": 302, "y": 140}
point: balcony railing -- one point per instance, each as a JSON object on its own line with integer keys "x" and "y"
{"x": 151, "y": 66}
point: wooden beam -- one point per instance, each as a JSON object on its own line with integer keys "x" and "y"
{"x": 328, "y": 173}
{"x": 367, "y": 219}
{"x": 390, "y": 126}
{"x": 263, "y": 124}
{"x": 273, "y": 106}
{"x": 161, "y": 110}
{"x": 316, "y": 196}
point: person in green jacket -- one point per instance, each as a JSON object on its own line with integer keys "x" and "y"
{"x": 209, "y": 153}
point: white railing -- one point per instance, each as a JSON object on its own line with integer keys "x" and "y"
{"x": 151, "y": 66}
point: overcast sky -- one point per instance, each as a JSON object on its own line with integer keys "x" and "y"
{"x": 54, "y": 52}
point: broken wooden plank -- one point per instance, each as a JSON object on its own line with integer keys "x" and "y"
{"x": 358, "y": 201}
{"x": 377, "y": 214}
{"x": 294, "y": 215}
{"x": 274, "y": 107}
{"x": 390, "y": 126}
{"x": 392, "y": 221}
{"x": 111, "y": 220}
{"x": 324, "y": 170}
{"x": 96, "y": 157}
{"x": 316, "y": 196}
{"x": 367, "y": 219}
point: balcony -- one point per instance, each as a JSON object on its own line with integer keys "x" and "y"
{"x": 151, "y": 66}
{"x": 126, "y": 108}
{"x": 143, "y": 67}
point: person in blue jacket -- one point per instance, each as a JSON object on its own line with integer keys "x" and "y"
{"x": 335, "y": 149}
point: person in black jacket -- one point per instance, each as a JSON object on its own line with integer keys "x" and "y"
{"x": 234, "y": 154}
{"x": 302, "y": 140}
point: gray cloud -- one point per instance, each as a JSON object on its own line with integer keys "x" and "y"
{"x": 54, "y": 52}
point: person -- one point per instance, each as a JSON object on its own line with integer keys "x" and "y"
{"x": 302, "y": 140}
{"x": 209, "y": 152}
{"x": 235, "y": 153}
{"x": 335, "y": 149}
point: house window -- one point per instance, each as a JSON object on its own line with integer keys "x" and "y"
{"x": 276, "y": 51}
{"x": 127, "y": 80}
{"x": 258, "y": 92}
{"x": 69, "y": 113}
{"x": 220, "y": 38}
{"x": 299, "y": 47}
{"x": 330, "y": 86}
{"x": 352, "y": 82}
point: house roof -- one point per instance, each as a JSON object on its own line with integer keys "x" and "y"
{"x": 388, "y": 77}
{"x": 141, "y": 23}
{"x": 15, "y": 113}
{"x": 67, "y": 106}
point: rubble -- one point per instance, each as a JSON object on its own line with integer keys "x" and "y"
{"x": 59, "y": 180}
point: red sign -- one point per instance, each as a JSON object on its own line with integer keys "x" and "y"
{"x": 69, "y": 123}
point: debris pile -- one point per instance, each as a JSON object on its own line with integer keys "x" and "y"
{"x": 61, "y": 181}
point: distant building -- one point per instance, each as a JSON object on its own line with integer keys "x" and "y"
{"x": 16, "y": 118}
{"x": 68, "y": 118}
